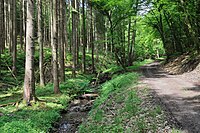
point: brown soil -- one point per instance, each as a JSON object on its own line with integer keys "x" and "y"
{"x": 181, "y": 64}
{"x": 179, "y": 94}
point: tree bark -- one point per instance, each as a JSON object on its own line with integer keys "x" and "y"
{"x": 40, "y": 42}
{"x": 77, "y": 32}
{"x": 14, "y": 38}
{"x": 54, "y": 46}
{"x": 29, "y": 80}
{"x": 65, "y": 23}
{"x": 5, "y": 25}
{"x": 92, "y": 38}
{"x": 24, "y": 20}
{"x": 61, "y": 42}
{"x": 2, "y": 29}
{"x": 74, "y": 33}
{"x": 10, "y": 34}
{"x": 21, "y": 25}
{"x": 84, "y": 37}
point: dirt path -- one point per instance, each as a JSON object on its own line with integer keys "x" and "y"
{"x": 179, "y": 94}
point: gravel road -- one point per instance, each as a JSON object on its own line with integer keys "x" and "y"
{"x": 180, "y": 95}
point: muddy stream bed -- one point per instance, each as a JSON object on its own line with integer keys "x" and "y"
{"x": 75, "y": 114}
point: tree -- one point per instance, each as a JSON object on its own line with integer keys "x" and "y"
{"x": 84, "y": 37}
{"x": 61, "y": 40}
{"x": 24, "y": 20}
{"x": 2, "y": 29}
{"x": 77, "y": 31}
{"x": 92, "y": 38}
{"x": 21, "y": 24}
{"x": 118, "y": 13}
{"x": 54, "y": 46}
{"x": 74, "y": 37}
{"x": 29, "y": 80}
{"x": 14, "y": 38}
{"x": 40, "y": 42}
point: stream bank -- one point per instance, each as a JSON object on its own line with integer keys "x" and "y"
{"x": 76, "y": 113}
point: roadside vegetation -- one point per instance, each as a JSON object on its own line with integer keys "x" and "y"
{"x": 123, "y": 106}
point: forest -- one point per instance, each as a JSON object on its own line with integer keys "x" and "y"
{"x": 77, "y": 65}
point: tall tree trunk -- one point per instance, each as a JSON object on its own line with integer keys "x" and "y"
{"x": 40, "y": 42}
{"x": 49, "y": 23}
{"x": 65, "y": 23}
{"x": 61, "y": 42}
{"x": 2, "y": 29}
{"x": 77, "y": 32}
{"x": 5, "y": 25}
{"x": 21, "y": 24}
{"x": 84, "y": 37}
{"x": 131, "y": 52}
{"x": 29, "y": 80}
{"x": 92, "y": 39}
{"x": 74, "y": 37}
{"x": 24, "y": 20}
{"x": 129, "y": 37}
{"x": 54, "y": 46}
{"x": 14, "y": 39}
{"x": 106, "y": 38}
{"x": 10, "y": 11}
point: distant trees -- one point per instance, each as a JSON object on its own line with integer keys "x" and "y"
{"x": 177, "y": 24}
{"x": 120, "y": 15}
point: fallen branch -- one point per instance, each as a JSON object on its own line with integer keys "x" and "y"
{"x": 11, "y": 72}
{"x": 12, "y": 103}
{"x": 4, "y": 105}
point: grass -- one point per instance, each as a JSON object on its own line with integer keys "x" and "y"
{"x": 39, "y": 117}
{"x": 122, "y": 107}
{"x": 117, "y": 103}
{"x": 135, "y": 67}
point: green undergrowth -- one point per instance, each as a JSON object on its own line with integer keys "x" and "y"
{"x": 120, "y": 108}
{"x": 39, "y": 117}
{"x": 135, "y": 67}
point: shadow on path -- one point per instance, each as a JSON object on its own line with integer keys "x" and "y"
{"x": 179, "y": 97}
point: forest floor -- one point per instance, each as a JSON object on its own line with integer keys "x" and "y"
{"x": 179, "y": 95}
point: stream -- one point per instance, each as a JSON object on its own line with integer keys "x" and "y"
{"x": 76, "y": 113}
